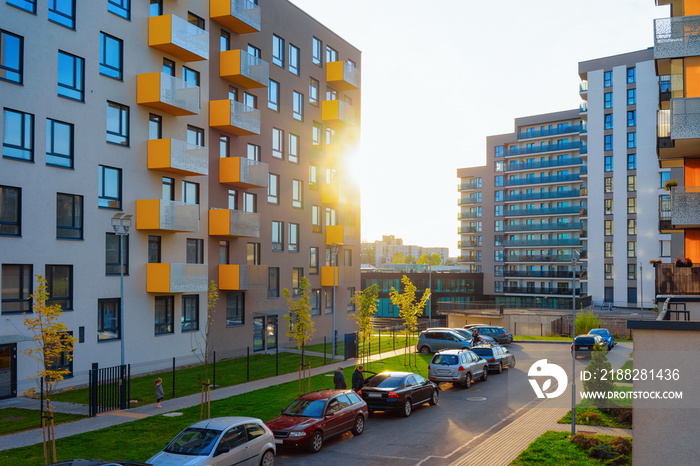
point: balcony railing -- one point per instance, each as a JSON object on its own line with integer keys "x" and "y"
{"x": 513, "y": 166}
{"x": 244, "y": 172}
{"x": 545, "y": 211}
{"x": 167, "y": 215}
{"x": 468, "y": 244}
{"x": 243, "y": 277}
{"x": 177, "y": 37}
{"x": 543, "y": 226}
{"x": 468, "y": 200}
{"x": 237, "y": 223}
{"x": 685, "y": 207}
{"x": 677, "y": 37}
{"x": 674, "y": 280}
{"x": 537, "y": 274}
{"x": 469, "y": 185}
{"x": 240, "y": 67}
{"x": 234, "y": 117}
{"x": 552, "y": 132}
{"x": 342, "y": 75}
{"x": 338, "y": 112}
{"x": 241, "y": 16}
{"x": 538, "y": 258}
{"x": 176, "y": 278}
{"x": 470, "y": 258}
{"x": 341, "y": 234}
{"x": 462, "y": 230}
{"x": 583, "y": 106}
{"x": 467, "y": 215}
{"x": 541, "y": 195}
{"x": 344, "y": 276}
{"x": 539, "y": 290}
{"x": 542, "y": 242}
{"x": 685, "y": 118}
{"x": 538, "y": 148}
{"x": 583, "y": 86}
{"x": 175, "y": 156}
{"x": 167, "y": 93}
{"x": 543, "y": 179}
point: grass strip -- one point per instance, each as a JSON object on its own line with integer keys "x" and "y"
{"x": 13, "y": 420}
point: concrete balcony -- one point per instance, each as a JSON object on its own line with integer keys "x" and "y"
{"x": 236, "y": 223}
{"x": 344, "y": 276}
{"x": 242, "y": 277}
{"x": 175, "y": 36}
{"x": 166, "y": 93}
{"x": 243, "y": 172}
{"x": 244, "y": 69}
{"x": 337, "y": 112}
{"x": 685, "y": 207}
{"x": 676, "y": 37}
{"x": 176, "y": 278}
{"x": 241, "y": 16}
{"x": 343, "y": 75}
{"x": 175, "y": 156}
{"x": 234, "y": 117}
{"x": 167, "y": 215}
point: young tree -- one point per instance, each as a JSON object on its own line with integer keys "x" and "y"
{"x": 585, "y": 322}
{"x": 301, "y": 327}
{"x": 203, "y": 347}
{"x": 398, "y": 258}
{"x": 366, "y": 302}
{"x": 409, "y": 309}
{"x": 51, "y": 343}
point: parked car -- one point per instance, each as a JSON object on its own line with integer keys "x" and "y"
{"x": 220, "y": 441}
{"x": 84, "y": 462}
{"x": 314, "y": 417}
{"x": 433, "y": 340}
{"x": 496, "y": 356}
{"x": 585, "y": 344}
{"x": 458, "y": 367}
{"x": 607, "y": 336}
{"x": 501, "y": 335}
{"x": 485, "y": 340}
{"x": 398, "y": 392}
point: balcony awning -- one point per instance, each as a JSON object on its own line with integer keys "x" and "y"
{"x": 15, "y": 338}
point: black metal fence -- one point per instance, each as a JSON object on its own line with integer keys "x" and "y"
{"x": 109, "y": 388}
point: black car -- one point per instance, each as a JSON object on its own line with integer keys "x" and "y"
{"x": 499, "y": 334}
{"x": 398, "y": 392}
{"x": 585, "y": 344}
{"x": 496, "y": 356}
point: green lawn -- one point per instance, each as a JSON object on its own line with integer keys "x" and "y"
{"x": 138, "y": 440}
{"x": 14, "y": 420}
{"x": 599, "y": 418}
{"x": 555, "y": 449}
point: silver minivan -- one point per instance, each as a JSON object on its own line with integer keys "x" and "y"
{"x": 433, "y": 340}
{"x": 458, "y": 367}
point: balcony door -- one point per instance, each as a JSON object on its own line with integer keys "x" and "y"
{"x": 8, "y": 371}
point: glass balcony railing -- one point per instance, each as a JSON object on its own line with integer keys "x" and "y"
{"x": 541, "y": 195}
{"x": 244, "y": 172}
{"x": 469, "y": 185}
{"x": 677, "y": 37}
{"x": 177, "y": 37}
{"x": 542, "y": 242}
{"x": 583, "y": 106}
{"x": 543, "y": 227}
{"x": 469, "y": 200}
{"x": 342, "y": 75}
{"x": 467, "y": 215}
{"x": 542, "y": 179}
{"x": 462, "y": 230}
{"x": 539, "y": 148}
{"x": 176, "y": 278}
{"x": 240, "y": 67}
{"x": 241, "y": 16}
{"x": 467, "y": 244}
{"x": 583, "y": 86}
{"x": 514, "y": 166}
{"x": 167, "y": 215}
{"x": 167, "y": 93}
{"x": 234, "y": 117}
{"x": 545, "y": 211}
{"x": 539, "y": 290}
{"x": 175, "y": 156}
{"x": 236, "y": 223}
{"x": 532, "y": 133}
{"x": 538, "y": 258}
{"x": 538, "y": 274}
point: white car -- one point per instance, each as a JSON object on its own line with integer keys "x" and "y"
{"x": 221, "y": 441}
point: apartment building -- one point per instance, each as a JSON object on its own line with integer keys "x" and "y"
{"x": 382, "y": 252}
{"x": 173, "y": 143}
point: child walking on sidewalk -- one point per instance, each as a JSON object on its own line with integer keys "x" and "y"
{"x": 159, "y": 392}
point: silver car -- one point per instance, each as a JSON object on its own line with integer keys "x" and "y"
{"x": 458, "y": 367}
{"x": 220, "y": 441}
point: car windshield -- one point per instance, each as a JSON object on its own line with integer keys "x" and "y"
{"x": 482, "y": 351}
{"x": 192, "y": 441}
{"x": 585, "y": 341}
{"x": 385, "y": 381}
{"x": 465, "y": 333}
{"x": 445, "y": 359}
{"x": 305, "y": 408}
{"x": 600, "y": 332}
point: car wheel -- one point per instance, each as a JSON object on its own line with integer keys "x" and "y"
{"x": 316, "y": 442}
{"x": 268, "y": 458}
{"x": 434, "y": 400}
{"x": 500, "y": 367}
{"x": 425, "y": 350}
{"x": 467, "y": 380}
{"x": 512, "y": 364}
{"x": 407, "y": 408}
{"x": 359, "y": 425}
{"x": 485, "y": 375}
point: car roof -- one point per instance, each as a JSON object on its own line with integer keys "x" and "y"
{"x": 396, "y": 373}
{"x": 484, "y": 346}
{"x": 599, "y": 330}
{"x": 453, "y": 351}
{"x": 224, "y": 422}
{"x": 321, "y": 394}
{"x": 441, "y": 329}
{"x": 482, "y": 326}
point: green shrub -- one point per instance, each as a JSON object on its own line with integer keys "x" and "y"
{"x": 584, "y": 441}
{"x": 586, "y": 322}
{"x": 589, "y": 418}
{"x": 622, "y": 445}
{"x": 603, "y": 451}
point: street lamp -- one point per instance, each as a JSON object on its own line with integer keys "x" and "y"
{"x": 121, "y": 224}
{"x": 573, "y": 340}
{"x": 641, "y": 287}
{"x": 334, "y": 263}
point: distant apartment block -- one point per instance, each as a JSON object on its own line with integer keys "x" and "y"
{"x": 382, "y": 252}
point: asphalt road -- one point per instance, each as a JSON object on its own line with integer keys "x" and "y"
{"x": 438, "y": 435}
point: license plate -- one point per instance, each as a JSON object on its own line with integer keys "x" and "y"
{"x": 374, "y": 395}
{"x": 582, "y": 347}
{"x": 279, "y": 441}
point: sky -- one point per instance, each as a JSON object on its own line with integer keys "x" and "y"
{"x": 440, "y": 76}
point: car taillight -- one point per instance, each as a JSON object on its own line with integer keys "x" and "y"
{"x": 359, "y": 392}
{"x": 460, "y": 369}
{"x": 428, "y": 366}
{"x": 392, "y": 395}
{"x": 504, "y": 335}
{"x": 492, "y": 360}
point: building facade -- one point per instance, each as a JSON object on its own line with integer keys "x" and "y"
{"x": 220, "y": 128}
{"x": 382, "y": 252}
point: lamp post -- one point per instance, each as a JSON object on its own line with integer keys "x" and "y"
{"x": 573, "y": 340}
{"x": 430, "y": 287}
{"x": 121, "y": 224}
{"x": 334, "y": 262}
{"x": 641, "y": 287}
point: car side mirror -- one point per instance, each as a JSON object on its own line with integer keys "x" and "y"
{"x": 330, "y": 414}
{"x": 221, "y": 450}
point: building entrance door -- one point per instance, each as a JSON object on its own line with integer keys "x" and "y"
{"x": 8, "y": 371}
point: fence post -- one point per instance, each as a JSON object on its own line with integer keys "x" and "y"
{"x": 214, "y": 369}
{"x": 128, "y": 386}
{"x": 324, "y": 350}
{"x": 247, "y": 364}
{"x": 41, "y": 390}
{"x": 173, "y": 377}
{"x": 93, "y": 390}
{"x": 277, "y": 359}
{"x": 380, "y": 342}
{"x": 122, "y": 387}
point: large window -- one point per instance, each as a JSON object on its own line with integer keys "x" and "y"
{"x": 62, "y": 12}
{"x": 631, "y": 183}
{"x": 117, "y": 124}
{"x": 277, "y": 236}
{"x": 313, "y": 91}
{"x": 631, "y": 140}
{"x": 277, "y": 143}
{"x": 316, "y": 218}
{"x": 277, "y": 50}
{"x": 631, "y": 75}
{"x": 253, "y": 152}
{"x": 59, "y": 281}
{"x": 631, "y": 161}
{"x": 297, "y": 275}
{"x": 608, "y": 272}
{"x": 110, "y": 187}
{"x": 313, "y": 260}
{"x": 608, "y": 100}
{"x": 108, "y": 324}
{"x": 273, "y": 188}
{"x": 608, "y": 121}
{"x": 298, "y": 106}
{"x": 190, "y": 313}
{"x": 69, "y": 216}
{"x": 293, "y": 237}
{"x": 631, "y": 272}
{"x": 631, "y": 249}
{"x": 608, "y": 227}
{"x": 608, "y": 163}
{"x": 273, "y": 282}
{"x": 315, "y": 302}
{"x": 120, "y": 8}
{"x": 18, "y": 135}
{"x": 632, "y": 118}
{"x": 316, "y": 134}
{"x": 27, "y": 5}
{"x": 608, "y": 142}
{"x": 111, "y": 56}
{"x": 155, "y": 126}
{"x": 631, "y": 205}
{"x": 17, "y": 288}
{"x": 195, "y": 251}
{"x": 164, "y": 315}
{"x": 632, "y": 226}
{"x": 71, "y": 76}
{"x": 253, "y": 254}
{"x": 11, "y": 57}
{"x": 317, "y": 52}
{"x": 154, "y": 254}
{"x": 607, "y": 78}
{"x": 117, "y": 253}
{"x": 331, "y": 54}
{"x": 10, "y": 211}
{"x": 297, "y": 194}
{"x": 59, "y": 143}
{"x": 293, "y": 148}
{"x": 294, "y": 59}
{"x": 631, "y": 96}
{"x": 235, "y": 308}
{"x": 250, "y": 202}
{"x": 195, "y": 136}
{"x": 190, "y": 192}
{"x": 273, "y": 95}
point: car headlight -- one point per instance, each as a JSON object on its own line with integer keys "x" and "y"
{"x": 295, "y": 434}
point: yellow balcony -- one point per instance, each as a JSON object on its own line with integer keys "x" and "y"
{"x": 337, "y": 112}
{"x": 176, "y": 278}
{"x": 335, "y": 193}
{"x": 344, "y": 276}
{"x": 229, "y": 222}
{"x": 241, "y": 277}
{"x": 241, "y": 16}
{"x": 175, "y": 36}
{"x": 342, "y": 75}
{"x": 234, "y": 117}
{"x": 341, "y": 234}
{"x": 166, "y": 215}
{"x": 240, "y": 67}
{"x": 243, "y": 172}
{"x": 175, "y": 156}
{"x": 167, "y": 93}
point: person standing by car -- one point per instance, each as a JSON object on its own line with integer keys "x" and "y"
{"x": 339, "y": 379}
{"x": 357, "y": 380}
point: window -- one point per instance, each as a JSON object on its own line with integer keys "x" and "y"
{"x": 120, "y": 8}
{"x": 608, "y": 271}
{"x": 195, "y": 136}
{"x": 253, "y": 50}
{"x": 154, "y": 249}
{"x": 608, "y": 206}
{"x": 498, "y": 151}
{"x": 249, "y": 100}
{"x": 156, "y": 8}
{"x": 631, "y": 75}
{"x": 608, "y": 121}
{"x": 631, "y": 249}
{"x": 273, "y": 188}
{"x": 498, "y": 255}
{"x": 631, "y": 183}
{"x": 169, "y": 67}
{"x": 190, "y": 76}
{"x": 235, "y": 308}
{"x": 330, "y": 135}
{"x": 631, "y": 140}
{"x": 498, "y": 211}
{"x": 608, "y": 100}
{"x": 117, "y": 124}
{"x": 313, "y": 260}
{"x": 498, "y": 195}
{"x": 195, "y": 251}
{"x": 316, "y": 218}
{"x": 313, "y": 176}
{"x": 10, "y": 211}
{"x": 190, "y": 192}
{"x": 278, "y": 50}
{"x": 498, "y": 180}
{"x": 293, "y": 148}
{"x": 297, "y": 193}
{"x": 663, "y": 178}
{"x": 18, "y": 138}
{"x": 253, "y": 254}
{"x": 331, "y": 54}
{"x": 351, "y": 294}
{"x": 116, "y": 256}
{"x": 69, "y": 216}
{"x": 631, "y": 96}
{"x": 608, "y": 293}
{"x": 224, "y": 248}
{"x": 608, "y": 163}
{"x": 500, "y": 166}
{"x": 273, "y": 282}
{"x": 316, "y": 134}
{"x": 155, "y": 126}
{"x": 293, "y": 237}
{"x": 608, "y": 144}
{"x": 607, "y": 78}
{"x": 168, "y": 188}
{"x": 224, "y": 41}
{"x": 164, "y": 315}
{"x": 315, "y": 302}
{"x": 59, "y": 283}
{"x": 27, "y": 5}
{"x": 347, "y": 257}
{"x": 631, "y": 272}
{"x": 608, "y": 227}
{"x": 253, "y": 152}
{"x": 313, "y": 91}
{"x": 250, "y": 202}
{"x": 62, "y": 12}
{"x": 608, "y": 185}
{"x": 329, "y": 301}
{"x": 498, "y": 225}
{"x": 71, "y": 76}
{"x": 59, "y": 143}
{"x": 17, "y": 288}
{"x": 273, "y": 95}
{"x": 665, "y": 203}
{"x": 631, "y": 205}
{"x": 110, "y": 187}
{"x": 190, "y": 313}
{"x": 111, "y": 57}
{"x": 632, "y": 226}
{"x": 277, "y": 236}
{"x": 664, "y": 244}
{"x": 11, "y": 57}
{"x": 632, "y": 118}
{"x": 631, "y": 161}
{"x": 294, "y": 59}
{"x": 331, "y": 94}
{"x": 317, "y": 52}
{"x": 297, "y": 275}
{"x": 277, "y": 143}
{"x": 330, "y": 216}
{"x": 108, "y": 324}
{"x": 298, "y": 106}
{"x": 608, "y": 249}
{"x": 195, "y": 20}
{"x": 232, "y": 93}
